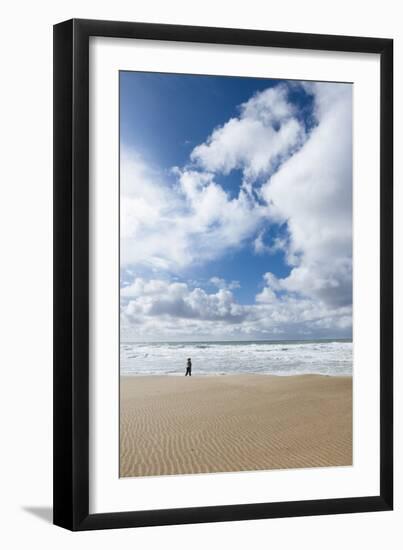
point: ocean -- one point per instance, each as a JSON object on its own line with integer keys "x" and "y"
{"x": 281, "y": 357}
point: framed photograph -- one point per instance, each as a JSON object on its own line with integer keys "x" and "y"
{"x": 223, "y": 322}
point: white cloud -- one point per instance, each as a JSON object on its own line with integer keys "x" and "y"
{"x": 147, "y": 206}
{"x": 171, "y": 222}
{"x": 168, "y": 226}
{"x": 160, "y": 309}
{"x": 312, "y": 192}
{"x": 277, "y": 244}
{"x": 171, "y": 226}
{"x": 266, "y": 132}
{"x": 156, "y": 298}
{"x": 222, "y": 283}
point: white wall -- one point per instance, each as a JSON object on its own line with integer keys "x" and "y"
{"x": 25, "y": 289}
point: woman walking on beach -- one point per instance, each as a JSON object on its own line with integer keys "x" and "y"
{"x": 189, "y": 367}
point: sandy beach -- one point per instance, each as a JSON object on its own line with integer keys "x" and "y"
{"x": 178, "y": 425}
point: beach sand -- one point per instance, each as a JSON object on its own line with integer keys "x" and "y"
{"x": 178, "y": 425}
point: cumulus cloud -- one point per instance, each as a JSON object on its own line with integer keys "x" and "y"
{"x": 294, "y": 178}
{"x": 260, "y": 246}
{"x": 161, "y": 308}
{"x": 219, "y": 282}
{"x": 312, "y": 192}
{"x": 266, "y": 132}
{"x": 176, "y": 300}
{"x": 171, "y": 226}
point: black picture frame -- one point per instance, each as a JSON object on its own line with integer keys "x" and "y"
{"x": 71, "y": 274}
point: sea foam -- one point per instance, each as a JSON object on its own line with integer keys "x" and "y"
{"x": 208, "y": 358}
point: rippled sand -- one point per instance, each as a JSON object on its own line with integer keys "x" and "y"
{"x": 178, "y": 425}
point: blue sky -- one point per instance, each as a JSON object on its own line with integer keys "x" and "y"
{"x": 212, "y": 244}
{"x": 165, "y": 115}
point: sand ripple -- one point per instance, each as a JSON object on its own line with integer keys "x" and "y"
{"x": 178, "y": 425}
